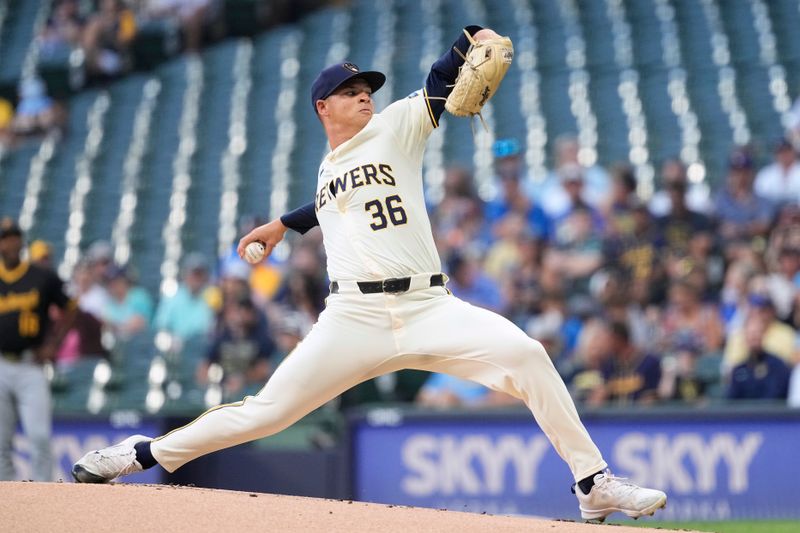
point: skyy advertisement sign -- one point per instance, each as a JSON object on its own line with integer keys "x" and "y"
{"x": 711, "y": 469}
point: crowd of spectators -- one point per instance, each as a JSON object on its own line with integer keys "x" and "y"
{"x": 636, "y": 302}
{"x": 95, "y": 41}
{"x": 105, "y": 30}
{"x": 682, "y": 298}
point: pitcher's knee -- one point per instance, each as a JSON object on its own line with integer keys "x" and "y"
{"x": 526, "y": 352}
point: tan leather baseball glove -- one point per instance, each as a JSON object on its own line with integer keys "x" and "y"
{"x": 485, "y": 64}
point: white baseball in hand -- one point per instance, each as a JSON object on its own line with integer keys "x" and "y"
{"x": 254, "y": 252}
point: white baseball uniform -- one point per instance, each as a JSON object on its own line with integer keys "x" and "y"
{"x": 370, "y": 206}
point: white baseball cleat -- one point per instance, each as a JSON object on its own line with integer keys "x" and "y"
{"x": 610, "y": 494}
{"x": 102, "y": 466}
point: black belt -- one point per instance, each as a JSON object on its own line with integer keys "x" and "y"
{"x": 391, "y": 285}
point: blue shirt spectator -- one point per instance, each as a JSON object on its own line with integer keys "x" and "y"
{"x": 469, "y": 283}
{"x": 444, "y": 390}
{"x": 129, "y": 309}
{"x": 572, "y": 179}
{"x": 741, "y": 214}
{"x": 511, "y": 196}
{"x": 187, "y": 313}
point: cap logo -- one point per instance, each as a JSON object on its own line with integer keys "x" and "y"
{"x": 351, "y": 67}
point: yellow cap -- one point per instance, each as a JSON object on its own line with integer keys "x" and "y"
{"x": 38, "y": 250}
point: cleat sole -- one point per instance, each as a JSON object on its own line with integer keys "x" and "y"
{"x": 81, "y": 475}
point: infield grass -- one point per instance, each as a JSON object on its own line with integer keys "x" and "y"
{"x": 754, "y": 526}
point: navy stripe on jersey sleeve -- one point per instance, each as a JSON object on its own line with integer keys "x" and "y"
{"x": 301, "y": 219}
{"x": 443, "y": 73}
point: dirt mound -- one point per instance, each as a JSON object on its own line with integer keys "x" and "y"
{"x": 66, "y": 507}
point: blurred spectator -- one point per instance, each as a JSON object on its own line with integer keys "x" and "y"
{"x": 688, "y": 320}
{"x": 742, "y": 215}
{"x": 6, "y": 123}
{"x": 265, "y": 280}
{"x": 786, "y": 232}
{"x": 521, "y": 286}
{"x": 234, "y": 283}
{"x": 92, "y": 296}
{"x": 36, "y": 112}
{"x": 193, "y": 16}
{"x": 40, "y": 253}
{"x": 458, "y": 189}
{"x": 636, "y": 254}
{"x": 622, "y": 200}
{"x": 577, "y": 252}
{"x": 630, "y": 376}
{"x": 85, "y": 337}
{"x": 242, "y": 347}
{"x": 679, "y": 379}
{"x": 511, "y": 196}
{"x": 618, "y": 301}
{"x": 552, "y": 194}
{"x": 779, "y": 182}
{"x": 778, "y": 338}
{"x": 187, "y": 313}
{"x": 585, "y": 374}
{"x": 700, "y": 264}
{"x": 471, "y": 284}
{"x": 734, "y": 294}
{"x": 445, "y": 391}
{"x": 63, "y": 29}
{"x": 572, "y": 179}
{"x": 130, "y": 308}
{"x": 89, "y": 278}
{"x": 696, "y": 195}
{"x": 302, "y": 292}
{"x": 289, "y": 331}
{"x": 782, "y": 281}
{"x": 763, "y": 375}
{"x": 680, "y": 224}
{"x": 107, "y": 38}
{"x": 305, "y": 286}
{"x": 547, "y": 326}
{"x": 504, "y": 254}
{"x": 458, "y": 219}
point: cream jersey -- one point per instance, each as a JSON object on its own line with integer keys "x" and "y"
{"x": 370, "y": 203}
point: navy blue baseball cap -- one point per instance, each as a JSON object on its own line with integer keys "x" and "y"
{"x": 335, "y": 75}
{"x": 9, "y": 228}
{"x": 741, "y": 159}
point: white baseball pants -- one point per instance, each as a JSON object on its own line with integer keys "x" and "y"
{"x": 361, "y": 336}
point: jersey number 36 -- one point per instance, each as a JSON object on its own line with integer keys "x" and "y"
{"x": 394, "y": 208}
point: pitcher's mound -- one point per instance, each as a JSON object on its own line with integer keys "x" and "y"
{"x": 66, "y": 507}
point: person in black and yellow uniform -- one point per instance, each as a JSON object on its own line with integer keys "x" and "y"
{"x": 27, "y": 339}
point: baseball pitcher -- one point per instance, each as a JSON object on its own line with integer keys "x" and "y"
{"x": 388, "y": 307}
